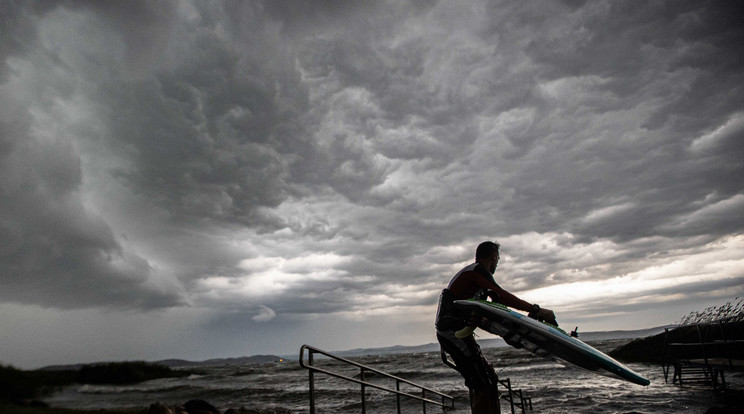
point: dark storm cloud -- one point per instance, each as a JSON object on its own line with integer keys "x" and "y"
{"x": 225, "y": 131}
{"x": 223, "y": 157}
{"x": 50, "y": 242}
{"x": 225, "y": 134}
{"x": 586, "y": 161}
{"x": 676, "y": 54}
{"x": 207, "y": 137}
{"x": 55, "y": 251}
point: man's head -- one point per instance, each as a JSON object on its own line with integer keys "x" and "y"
{"x": 487, "y": 254}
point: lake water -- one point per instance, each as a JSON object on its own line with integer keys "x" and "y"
{"x": 553, "y": 388}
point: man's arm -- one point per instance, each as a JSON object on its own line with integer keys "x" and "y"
{"x": 509, "y": 299}
{"x": 543, "y": 315}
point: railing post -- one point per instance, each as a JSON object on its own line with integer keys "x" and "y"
{"x": 521, "y": 400}
{"x": 397, "y": 396}
{"x": 312, "y": 382}
{"x": 666, "y": 362}
{"x": 423, "y": 399}
{"x": 511, "y": 394}
{"x": 364, "y": 401}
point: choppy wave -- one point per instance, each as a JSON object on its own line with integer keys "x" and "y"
{"x": 552, "y": 387}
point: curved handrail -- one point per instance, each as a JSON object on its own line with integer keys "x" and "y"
{"x": 313, "y": 350}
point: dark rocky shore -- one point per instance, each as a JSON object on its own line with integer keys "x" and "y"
{"x": 650, "y": 350}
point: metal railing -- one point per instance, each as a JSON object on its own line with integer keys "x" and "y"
{"x": 702, "y": 355}
{"x": 364, "y": 384}
{"x": 515, "y": 397}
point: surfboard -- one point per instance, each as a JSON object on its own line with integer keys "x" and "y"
{"x": 547, "y": 341}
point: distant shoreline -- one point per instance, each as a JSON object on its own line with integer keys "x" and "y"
{"x": 494, "y": 342}
{"x": 489, "y": 342}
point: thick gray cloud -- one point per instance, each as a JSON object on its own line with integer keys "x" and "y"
{"x": 55, "y": 251}
{"x": 226, "y": 164}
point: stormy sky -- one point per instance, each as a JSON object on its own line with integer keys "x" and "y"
{"x": 213, "y": 179}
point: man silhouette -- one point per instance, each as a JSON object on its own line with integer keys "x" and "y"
{"x": 454, "y": 329}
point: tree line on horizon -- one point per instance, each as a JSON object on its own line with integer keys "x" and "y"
{"x": 16, "y": 384}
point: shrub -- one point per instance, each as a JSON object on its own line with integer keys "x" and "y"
{"x": 729, "y": 312}
{"x": 16, "y": 384}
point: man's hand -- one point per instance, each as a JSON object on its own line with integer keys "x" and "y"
{"x": 547, "y": 315}
{"x": 543, "y": 315}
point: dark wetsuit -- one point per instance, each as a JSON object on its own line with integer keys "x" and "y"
{"x": 473, "y": 281}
